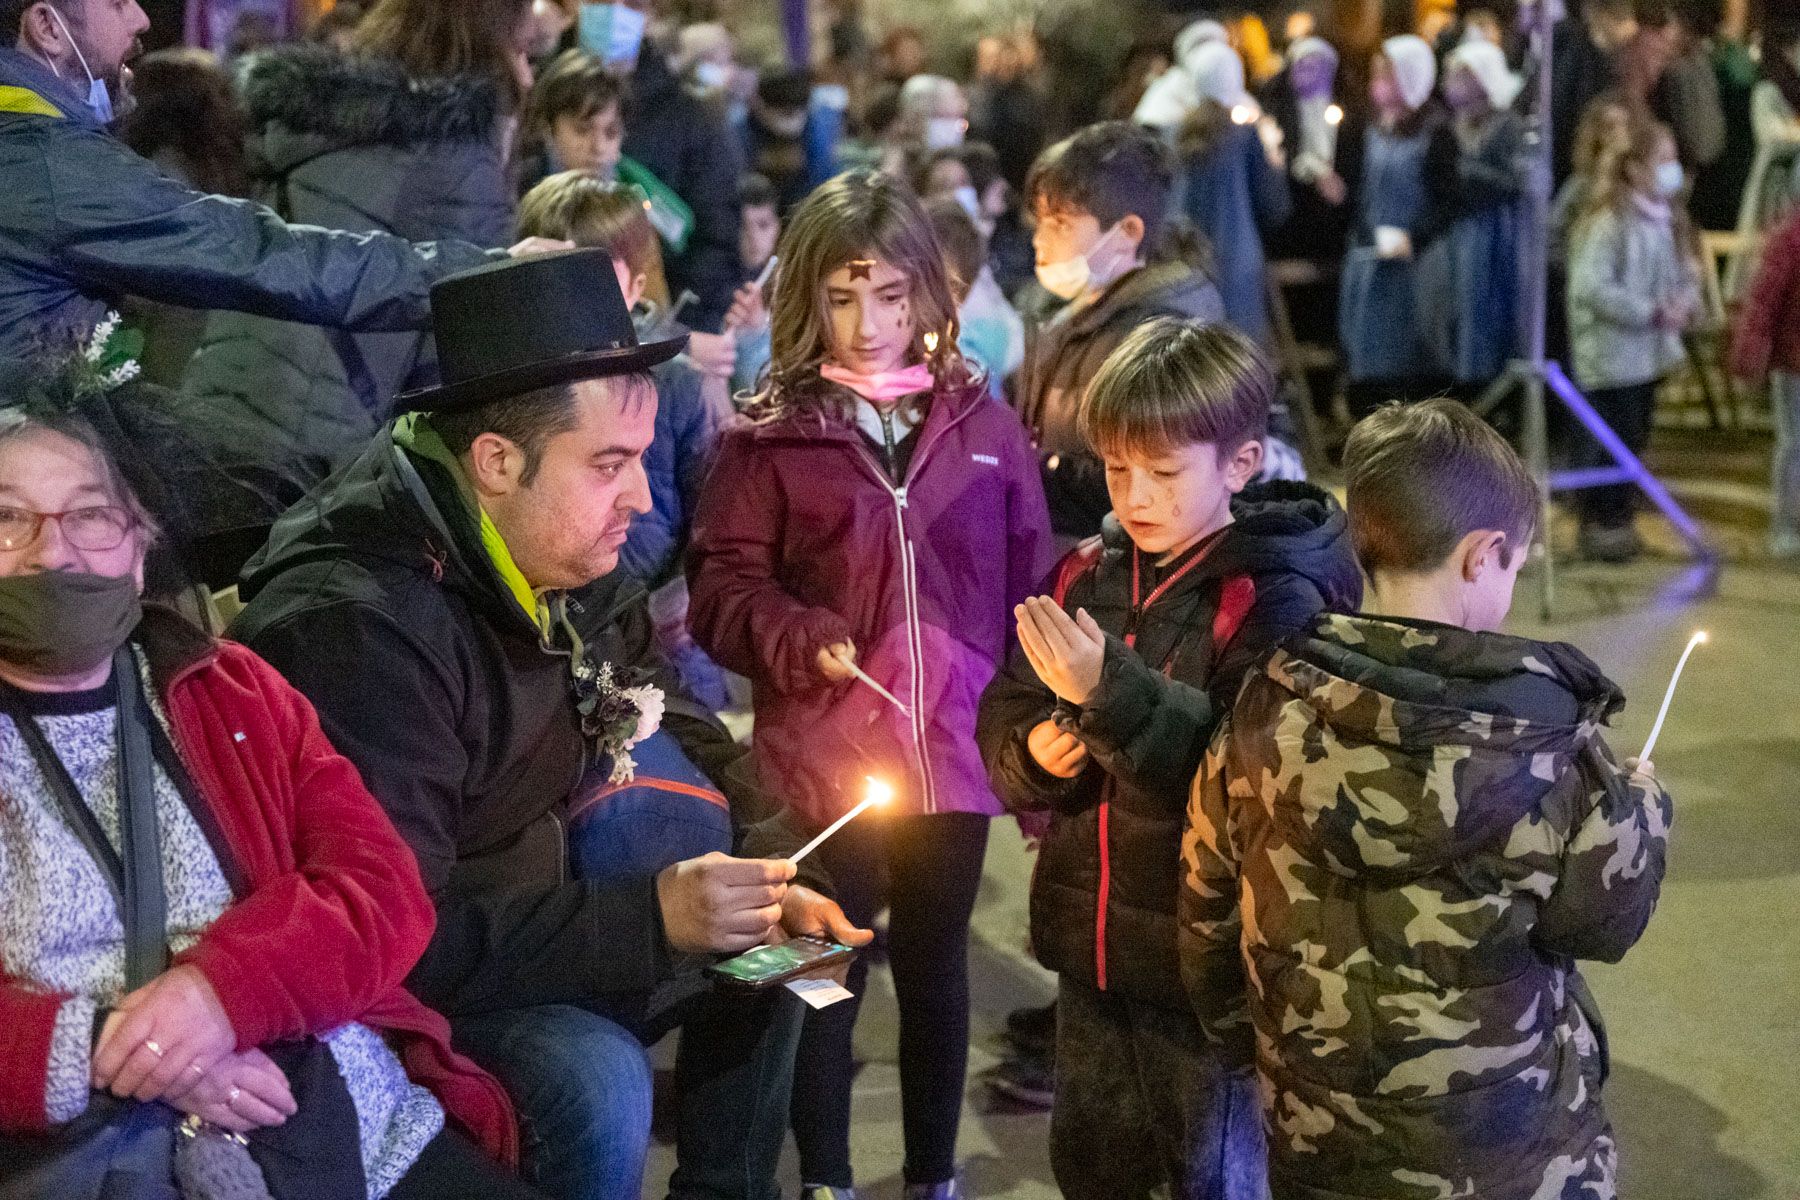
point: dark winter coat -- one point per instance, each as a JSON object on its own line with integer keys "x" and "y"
{"x": 688, "y": 428}
{"x": 1062, "y": 356}
{"x": 1315, "y": 229}
{"x": 1404, "y": 835}
{"x": 346, "y": 143}
{"x": 687, "y": 143}
{"x": 85, "y": 221}
{"x": 376, "y": 598}
{"x": 1468, "y": 281}
{"x": 802, "y": 541}
{"x": 1103, "y": 895}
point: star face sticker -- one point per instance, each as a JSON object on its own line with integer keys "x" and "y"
{"x": 861, "y": 268}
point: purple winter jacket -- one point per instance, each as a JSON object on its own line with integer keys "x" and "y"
{"x": 800, "y": 541}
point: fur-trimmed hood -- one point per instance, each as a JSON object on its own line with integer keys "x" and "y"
{"x": 314, "y": 95}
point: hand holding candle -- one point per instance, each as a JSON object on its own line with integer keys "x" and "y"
{"x": 1663, "y": 714}
{"x": 879, "y": 794}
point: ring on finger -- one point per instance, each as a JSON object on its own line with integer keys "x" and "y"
{"x": 152, "y": 1047}
{"x": 231, "y": 1096}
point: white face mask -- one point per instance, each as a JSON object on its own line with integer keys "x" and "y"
{"x": 99, "y": 99}
{"x": 710, "y": 75}
{"x": 944, "y": 133}
{"x": 612, "y": 31}
{"x": 1073, "y": 277}
{"x": 970, "y": 201}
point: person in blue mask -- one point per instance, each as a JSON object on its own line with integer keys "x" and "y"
{"x": 87, "y": 221}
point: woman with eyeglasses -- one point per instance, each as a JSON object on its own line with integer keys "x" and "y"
{"x": 205, "y": 918}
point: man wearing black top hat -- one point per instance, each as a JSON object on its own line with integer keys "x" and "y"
{"x": 444, "y": 600}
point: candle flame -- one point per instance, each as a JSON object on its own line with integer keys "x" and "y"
{"x": 879, "y": 793}
{"x": 931, "y": 343}
{"x": 1243, "y": 114}
{"x": 1701, "y": 637}
{"x": 1334, "y": 115}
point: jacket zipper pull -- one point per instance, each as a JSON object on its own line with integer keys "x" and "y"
{"x": 900, "y": 495}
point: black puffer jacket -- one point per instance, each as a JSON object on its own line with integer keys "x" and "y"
{"x": 1103, "y": 897}
{"x": 353, "y": 144}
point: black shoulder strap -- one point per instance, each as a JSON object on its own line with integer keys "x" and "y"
{"x": 134, "y": 869}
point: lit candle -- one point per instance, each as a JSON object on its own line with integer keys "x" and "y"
{"x": 1663, "y": 714}
{"x": 879, "y": 794}
{"x": 1334, "y": 115}
{"x": 879, "y": 690}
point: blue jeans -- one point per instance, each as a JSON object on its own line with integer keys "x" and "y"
{"x": 582, "y": 1087}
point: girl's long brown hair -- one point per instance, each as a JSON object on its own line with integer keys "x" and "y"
{"x": 860, "y": 215}
{"x": 433, "y": 38}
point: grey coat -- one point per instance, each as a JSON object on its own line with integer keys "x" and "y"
{"x": 1621, "y": 267}
{"x": 83, "y": 221}
{"x": 351, "y": 144}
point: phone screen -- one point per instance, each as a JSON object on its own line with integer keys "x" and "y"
{"x": 772, "y": 962}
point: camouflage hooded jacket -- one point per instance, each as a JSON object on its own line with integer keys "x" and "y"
{"x": 1400, "y": 841}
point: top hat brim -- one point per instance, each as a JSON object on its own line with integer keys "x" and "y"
{"x": 466, "y": 394}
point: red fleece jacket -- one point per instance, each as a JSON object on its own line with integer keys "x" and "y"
{"x": 330, "y": 912}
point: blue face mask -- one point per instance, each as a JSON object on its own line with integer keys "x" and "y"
{"x": 613, "y": 32}
{"x": 1669, "y": 178}
{"x": 98, "y": 99}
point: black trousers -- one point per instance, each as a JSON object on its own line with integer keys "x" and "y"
{"x": 1629, "y": 410}
{"x": 928, "y": 869}
{"x": 1145, "y": 1108}
{"x": 452, "y": 1168}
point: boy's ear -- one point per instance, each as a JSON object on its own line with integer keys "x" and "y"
{"x": 1131, "y": 227}
{"x": 1479, "y": 552}
{"x": 1243, "y": 464}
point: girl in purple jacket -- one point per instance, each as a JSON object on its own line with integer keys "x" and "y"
{"x": 880, "y": 511}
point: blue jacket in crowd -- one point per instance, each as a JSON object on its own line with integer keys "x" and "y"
{"x": 83, "y": 221}
{"x": 1234, "y": 195}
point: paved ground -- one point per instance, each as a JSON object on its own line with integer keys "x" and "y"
{"x": 1703, "y": 1015}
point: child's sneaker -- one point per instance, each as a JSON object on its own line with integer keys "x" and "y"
{"x": 818, "y": 1191}
{"x": 1029, "y": 1080}
{"x": 1032, "y": 1030}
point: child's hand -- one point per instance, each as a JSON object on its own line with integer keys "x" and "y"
{"x": 1060, "y": 754}
{"x": 1643, "y": 767}
{"x": 836, "y": 661}
{"x": 714, "y": 354}
{"x": 1066, "y": 654}
{"x": 747, "y": 309}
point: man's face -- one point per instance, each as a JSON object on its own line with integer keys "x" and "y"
{"x": 105, "y": 32}
{"x": 591, "y": 145}
{"x": 870, "y": 311}
{"x": 566, "y": 527}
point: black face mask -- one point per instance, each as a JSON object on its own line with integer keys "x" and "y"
{"x": 65, "y": 622}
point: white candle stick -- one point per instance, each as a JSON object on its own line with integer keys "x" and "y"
{"x": 768, "y": 272}
{"x": 879, "y": 793}
{"x": 1663, "y": 714}
{"x": 883, "y": 692}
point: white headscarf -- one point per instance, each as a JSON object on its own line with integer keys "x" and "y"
{"x": 1488, "y": 64}
{"x": 1172, "y": 96}
{"x": 1219, "y": 75}
{"x": 1415, "y": 67}
{"x": 1197, "y": 35}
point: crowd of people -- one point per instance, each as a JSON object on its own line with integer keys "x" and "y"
{"x": 418, "y": 432}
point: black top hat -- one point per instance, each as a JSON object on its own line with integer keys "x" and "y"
{"x": 515, "y": 326}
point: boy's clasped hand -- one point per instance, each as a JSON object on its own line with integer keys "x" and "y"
{"x": 1068, "y": 654}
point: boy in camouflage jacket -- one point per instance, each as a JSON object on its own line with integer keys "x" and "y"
{"x": 1405, "y": 834}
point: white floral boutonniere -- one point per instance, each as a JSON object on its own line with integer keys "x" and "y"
{"x": 617, "y": 716}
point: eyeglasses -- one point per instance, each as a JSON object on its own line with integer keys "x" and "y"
{"x": 102, "y": 527}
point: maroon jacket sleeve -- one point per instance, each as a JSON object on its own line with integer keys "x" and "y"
{"x": 336, "y": 913}
{"x": 739, "y": 613}
{"x": 27, "y": 1020}
{"x": 1753, "y": 341}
